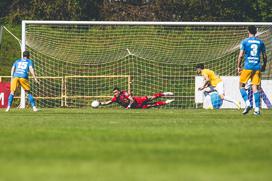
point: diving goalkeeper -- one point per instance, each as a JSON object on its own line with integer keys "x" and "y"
{"x": 124, "y": 99}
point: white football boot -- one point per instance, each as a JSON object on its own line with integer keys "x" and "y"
{"x": 8, "y": 108}
{"x": 247, "y": 109}
{"x": 35, "y": 109}
{"x": 168, "y": 101}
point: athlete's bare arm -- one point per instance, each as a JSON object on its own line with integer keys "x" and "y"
{"x": 264, "y": 61}
{"x": 206, "y": 83}
{"x": 131, "y": 101}
{"x": 33, "y": 74}
{"x": 239, "y": 61}
{"x": 106, "y": 103}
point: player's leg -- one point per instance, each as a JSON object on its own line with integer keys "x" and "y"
{"x": 256, "y": 80}
{"x": 207, "y": 103}
{"x": 248, "y": 88}
{"x": 140, "y": 102}
{"x": 160, "y": 94}
{"x": 250, "y": 96}
{"x": 244, "y": 77}
{"x": 26, "y": 86}
{"x": 10, "y": 100}
{"x": 146, "y": 106}
{"x": 31, "y": 101}
{"x": 221, "y": 91}
{"x": 257, "y": 99}
{"x": 13, "y": 86}
{"x": 157, "y": 104}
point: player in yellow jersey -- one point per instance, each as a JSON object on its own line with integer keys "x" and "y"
{"x": 213, "y": 82}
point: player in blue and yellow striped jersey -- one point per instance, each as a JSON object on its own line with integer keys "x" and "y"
{"x": 19, "y": 76}
{"x": 251, "y": 48}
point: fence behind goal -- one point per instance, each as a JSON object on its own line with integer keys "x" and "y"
{"x": 88, "y": 59}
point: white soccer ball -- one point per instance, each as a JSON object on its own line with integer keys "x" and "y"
{"x": 95, "y": 104}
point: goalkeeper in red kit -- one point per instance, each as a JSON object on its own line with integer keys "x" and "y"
{"x": 124, "y": 99}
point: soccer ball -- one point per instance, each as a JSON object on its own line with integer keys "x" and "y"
{"x": 95, "y": 104}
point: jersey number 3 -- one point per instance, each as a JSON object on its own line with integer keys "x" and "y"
{"x": 254, "y": 50}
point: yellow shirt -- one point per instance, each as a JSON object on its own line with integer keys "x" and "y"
{"x": 213, "y": 78}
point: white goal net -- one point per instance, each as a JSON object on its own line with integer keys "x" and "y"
{"x": 78, "y": 62}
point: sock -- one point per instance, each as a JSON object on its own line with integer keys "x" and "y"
{"x": 31, "y": 100}
{"x": 245, "y": 96}
{"x": 257, "y": 99}
{"x": 10, "y": 99}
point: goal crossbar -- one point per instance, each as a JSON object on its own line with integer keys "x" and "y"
{"x": 144, "y": 23}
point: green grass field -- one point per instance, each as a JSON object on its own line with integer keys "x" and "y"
{"x": 130, "y": 145}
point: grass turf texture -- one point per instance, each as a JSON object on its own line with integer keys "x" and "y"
{"x": 95, "y": 144}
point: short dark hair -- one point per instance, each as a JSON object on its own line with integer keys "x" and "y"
{"x": 116, "y": 88}
{"x": 26, "y": 54}
{"x": 252, "y": 29}
{"x": 200, "y": 66}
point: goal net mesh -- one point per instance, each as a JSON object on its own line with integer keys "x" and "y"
{"x": 78, "y": 63}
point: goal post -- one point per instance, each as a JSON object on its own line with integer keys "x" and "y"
{"x": 156, "y": 56}
{"x": 23, "y": 48}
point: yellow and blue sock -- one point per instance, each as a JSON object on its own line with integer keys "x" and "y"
{"x": 245, "y": 96}
{"x": 31, "y": 100}
{"x": 10, "y": 99}
{"x": 257, "y": 99}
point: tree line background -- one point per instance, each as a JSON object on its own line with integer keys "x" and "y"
{"x": 13, "y": 11}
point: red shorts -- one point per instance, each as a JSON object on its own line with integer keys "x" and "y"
{"x": 140, "y": 101}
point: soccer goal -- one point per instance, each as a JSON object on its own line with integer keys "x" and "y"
{"x": 88, "y": 59}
